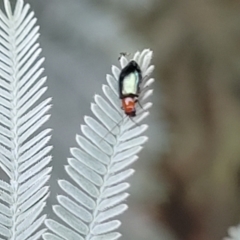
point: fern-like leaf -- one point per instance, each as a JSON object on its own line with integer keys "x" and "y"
{"x": 99, "y": 167}
{"x": 23, "y": 150}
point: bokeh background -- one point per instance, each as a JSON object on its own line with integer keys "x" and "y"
{"x": 186, "y": 185}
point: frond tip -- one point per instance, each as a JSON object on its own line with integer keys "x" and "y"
{"x": 99, "y": 167}
{"x": 234, "y": 233}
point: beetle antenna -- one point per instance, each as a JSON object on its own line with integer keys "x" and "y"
{"x": 117, "y": 124}
{"x": 125, "y": 54}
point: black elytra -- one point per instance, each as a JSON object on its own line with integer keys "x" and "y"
{"x": 131, "y": 67}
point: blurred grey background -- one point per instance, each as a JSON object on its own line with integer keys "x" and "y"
{"x": 186, "y": 184}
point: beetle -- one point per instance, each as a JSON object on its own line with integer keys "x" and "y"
{"x": 130, "y": 79}
{"x": 129, "y": 82}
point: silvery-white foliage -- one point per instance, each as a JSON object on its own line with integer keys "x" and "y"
{"x": 99, "y": 167}
{"x": 234, "y": 233}
{"x": 23, "y": 151}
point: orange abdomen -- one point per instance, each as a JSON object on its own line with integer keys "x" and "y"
{"x": 128, "y": 105}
